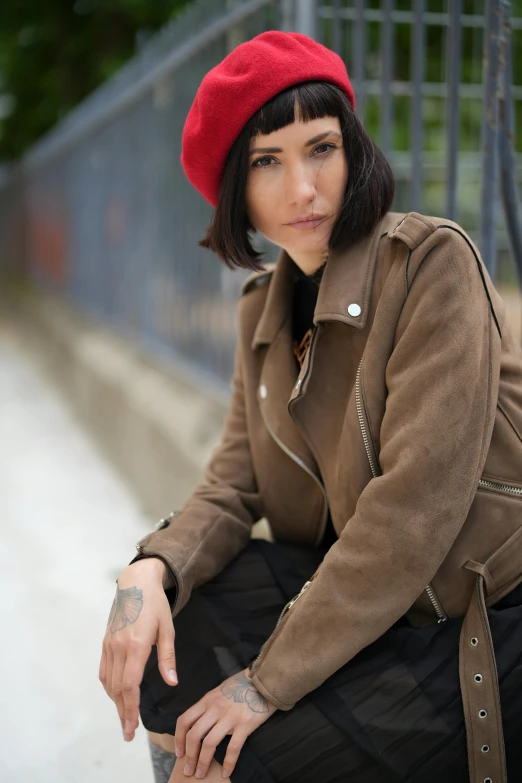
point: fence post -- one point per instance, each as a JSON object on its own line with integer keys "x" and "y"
{"x": 235, "y": 35}
{"x": 490, "y": 113}
{"x": 418, "y": 68}
{"x": 508, "y": 184}
{"x": 306, "y": 17}
{"x": 287, "y": 15}
{"x": 453, "y": 105}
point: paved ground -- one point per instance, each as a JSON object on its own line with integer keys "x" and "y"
{"x": 68, "y": 527}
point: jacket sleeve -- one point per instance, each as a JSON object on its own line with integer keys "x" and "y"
{"x": 440, "y": 407}
{"x": 215, "y": 522}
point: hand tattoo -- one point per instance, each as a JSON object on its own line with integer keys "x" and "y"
{"x": 240, "y": 689}
{"x": 126, "y": 608}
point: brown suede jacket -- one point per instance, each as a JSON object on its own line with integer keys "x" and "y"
{"x": 406, "y": 420}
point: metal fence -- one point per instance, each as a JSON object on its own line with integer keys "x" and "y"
{"x": 100, "y": 212}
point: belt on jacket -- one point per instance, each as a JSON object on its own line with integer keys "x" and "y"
{"x": 477, "y": 666}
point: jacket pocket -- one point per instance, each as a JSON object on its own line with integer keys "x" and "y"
{"x": 493, "y": 484}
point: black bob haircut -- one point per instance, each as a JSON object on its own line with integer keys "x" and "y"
{"x": 369, "y": 191}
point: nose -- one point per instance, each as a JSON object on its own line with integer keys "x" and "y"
{"x": 300, "y": 184}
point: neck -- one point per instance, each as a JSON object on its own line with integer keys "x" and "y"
{"x": 309, "y": 264}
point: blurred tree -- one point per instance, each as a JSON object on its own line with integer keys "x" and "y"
{"x": 54, "y": 52}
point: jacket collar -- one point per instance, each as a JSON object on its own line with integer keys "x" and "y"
{"x": 344, "y": 292}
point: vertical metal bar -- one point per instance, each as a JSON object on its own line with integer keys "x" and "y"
{"x": 337, "y": 23}
{"x": 287, "y": 15}
{"x": 387, "y": 77}
{"x": 507, "y": 155}
{"x": 418, "y": 60}
{"x": 453, "y": 105}
{"x": 306, "y": 17}
{"x": 359, "y": 48}
{"x": 490, "y": 137}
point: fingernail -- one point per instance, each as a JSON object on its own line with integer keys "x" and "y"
{"x": 173, "y": 676}
{"x": 199, "y": 773}
{"x": 187, "y": 770}
{"x": 225, "y": 773}
{"x": 178, "y": 752}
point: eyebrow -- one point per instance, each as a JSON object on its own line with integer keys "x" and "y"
{"x": 309, "y": 143}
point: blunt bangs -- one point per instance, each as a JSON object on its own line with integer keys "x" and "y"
{"x": 369, "y": 191}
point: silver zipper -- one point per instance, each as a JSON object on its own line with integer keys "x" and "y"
{"x": 293, "y": 600}
{"x": 284, "y": 611}
{"x": 358, "y": 401}
{"x": 305, "y": 467}
{"x": 510, "y": 490}
{"x": 436, "y": 605}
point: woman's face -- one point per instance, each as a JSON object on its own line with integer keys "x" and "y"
{"x": 296, "y": 173}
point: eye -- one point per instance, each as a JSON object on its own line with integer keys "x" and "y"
{"x": 265, "y": 157}
{"x": 324, "y": 144}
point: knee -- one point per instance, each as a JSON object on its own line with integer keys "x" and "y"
{"x": 163, "y": 741}
{"x": 213, "y": 775}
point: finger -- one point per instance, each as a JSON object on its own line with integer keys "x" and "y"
{"x": 110, "y": 666}
{"x": 184, "y": 724}
{"x": 102, "y": 672}
{"x": 209, "y": 745}
{"x": 237, "y": 741}
{"x": 195, "y": 736}
{"x": 110, "y": 677}
{"x": 166, "y": 653}
{"x": 137, "y": 656}
{"x": 118, "y": 666}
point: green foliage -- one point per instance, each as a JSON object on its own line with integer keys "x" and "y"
{"x": 53, "y": 53}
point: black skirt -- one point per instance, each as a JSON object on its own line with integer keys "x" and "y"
{"x": 392, "y": 714}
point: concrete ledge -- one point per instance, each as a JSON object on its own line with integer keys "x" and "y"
{"x": 157, "y": 429}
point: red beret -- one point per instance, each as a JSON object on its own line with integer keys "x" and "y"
{"x": 232, "y": 92}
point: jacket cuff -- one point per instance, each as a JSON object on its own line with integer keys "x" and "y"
{"x": 281, "y": 705}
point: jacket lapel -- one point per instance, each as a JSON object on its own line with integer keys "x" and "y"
{"x": 345, "y": 289}
{"x": 344, "y": 295}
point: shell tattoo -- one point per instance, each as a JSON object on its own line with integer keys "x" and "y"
{"x": 125, "y": 609}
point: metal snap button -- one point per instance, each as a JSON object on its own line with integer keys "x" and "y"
{"x": 263, "y": 391}
{"x": 474, "y": 641}
{"x": 485, "y": 749}
{"x": 478, "y": 678}
{"x": 483, "y": 714}
{"x": 354, "y": 309}
{"x": 166, "y": 521}
{"x": 488, "y": 780}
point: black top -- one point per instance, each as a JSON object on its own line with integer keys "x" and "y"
{"x": 306, "y": 288}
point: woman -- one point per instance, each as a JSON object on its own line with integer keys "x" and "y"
{"x": 376, "y": 422}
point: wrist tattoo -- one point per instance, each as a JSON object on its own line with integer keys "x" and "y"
{"x": 125, "y": 609}
{"x": 241, "y": 689}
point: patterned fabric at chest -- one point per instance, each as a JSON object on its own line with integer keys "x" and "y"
{"x": 306, "y": 288}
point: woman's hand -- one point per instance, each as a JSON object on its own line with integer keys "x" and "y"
{"x": 236, "y": 707}
{"x": 140, "y": 617}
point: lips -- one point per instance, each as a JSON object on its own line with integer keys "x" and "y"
{"x": 304, "y": 225}
{"x": 306, "y": 219}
